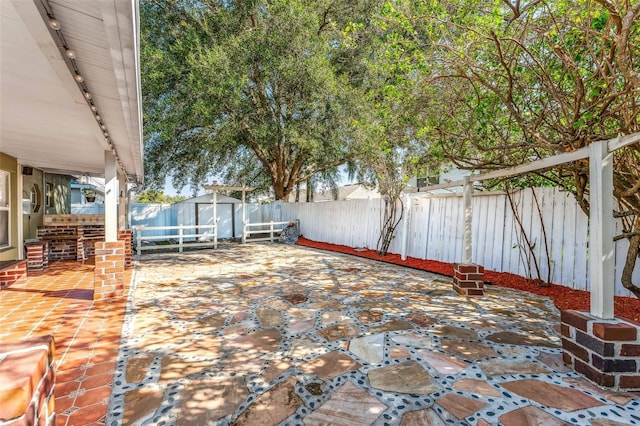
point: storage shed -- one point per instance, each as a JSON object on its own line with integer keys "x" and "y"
{"x": 199, "y": 211}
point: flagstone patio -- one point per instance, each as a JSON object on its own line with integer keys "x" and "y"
{"x": 277, "y": 334}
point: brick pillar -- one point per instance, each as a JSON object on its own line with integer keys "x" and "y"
{"x": 27, "y": 379}
{"x": 468, "y": 279}
{"x": 37, "y": 255}
{"x": 607, "y": 352}
{"x": 16, "y": 273}
{"x": 126, "y": 235}
{"x": 108, "y": 275}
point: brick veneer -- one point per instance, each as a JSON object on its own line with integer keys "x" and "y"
{"x": 468, "y": 279}
{"x": 126, "y": 235}
{"x": 109, "y": 270}
{"x": 37, "y": 255}
{"x": 27, "y": 381}
{"x": 607, "y": 352}
{"x": 14, "y": 273}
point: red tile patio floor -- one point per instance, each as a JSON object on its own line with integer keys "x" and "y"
{"x": 59, "y": 301}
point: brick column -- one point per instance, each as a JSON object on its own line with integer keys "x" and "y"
{"x": 15, "y": 273}
{"x": 126, "y": 235}
{"x": 37, "y": 255}
{"x": 468, "y": 279}
{"x": 27, "y": 379}
{"x": 108, "y": 275}
{"x": 607, "y": 352}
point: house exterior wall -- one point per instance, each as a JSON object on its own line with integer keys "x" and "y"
{"x": 10, "y": 165}
{"x": 33, "y": 219}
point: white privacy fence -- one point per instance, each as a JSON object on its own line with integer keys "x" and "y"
{"x": 555, "y": 226}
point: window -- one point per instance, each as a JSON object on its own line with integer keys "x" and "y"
{"x": 4, "y": 209}
{"x": 48, "y": 196}
{"x": 428, "y": 181}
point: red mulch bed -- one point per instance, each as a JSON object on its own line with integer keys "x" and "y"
{"x": 563, "y": 297}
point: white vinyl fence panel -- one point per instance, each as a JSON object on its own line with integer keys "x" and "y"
{"x": 436, "y": 225}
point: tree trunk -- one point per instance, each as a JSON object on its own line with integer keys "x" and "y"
{"x": 630, "y": 262}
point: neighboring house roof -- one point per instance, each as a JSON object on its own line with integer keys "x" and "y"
{"x": 354, "y": 191}
{"x": 46, "y": 119}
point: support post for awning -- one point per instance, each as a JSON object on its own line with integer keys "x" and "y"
{"x": 111, "y": 191}
{"x": 244, "y": 220}
{"x": 123, "y": 206}
{"x": 601, "y": 259}
{"x": 468, "y": 215}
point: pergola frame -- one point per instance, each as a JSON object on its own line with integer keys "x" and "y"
{"x": 215, "y": 188}
{"x": 601, "y": 229}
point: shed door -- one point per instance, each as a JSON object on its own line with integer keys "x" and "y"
{"x": 204, "y": 216}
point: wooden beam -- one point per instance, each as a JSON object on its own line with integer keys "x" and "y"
{"x": 227, "y": 188}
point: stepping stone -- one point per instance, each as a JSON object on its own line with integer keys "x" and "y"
{"x": 262, "y": 341}
{"x": 398, "y": 352}
{"x": 470, "y": 351}
{"x": 451, "y": 332}
{"x": 620, "y": 398}
{"x": 329, "y": 317}
{"x": 206, "y": 347}
{"x": 499, "y": 367}
{"x": 368, "y": 317}
{"x": 208, "y": 400}
{"x": 339, "y": 331}
{"x": 369, "y": 348}
{"x": 347, "y": 406}
{"x": 300, "y": 325}
{"x": 551, "y": 395}
{"x": 295, "y": 299}
{"x": 407, "y": 377}
{"x": 273, "y": 406}
{"x": 421, "y": 320}
{"x": 174, "y": 368}
{"x": 330, "y": 365}
{"x": 415, "y": 340}
{"x": 303, "y": 346}
{"x": 460, "y": 406}
{"x": 426, "y": 417}
{"x": 531, "y": 415}
{"x": 140, "y": 404}
{"x": 275, "y": 369}
{"x": 444, "y": 364}
{"x": 269, "y": 317}
{"x": 392, "y": 325}
{"x": 553, "y": 361}
{"x": 606, "y": 422}
{"x": 511, "y": 338}
{"x": 476, "y": 386}
{"x": 137, "y": 367}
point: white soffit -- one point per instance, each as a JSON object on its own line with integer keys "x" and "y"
{"x": 45, "y": 120}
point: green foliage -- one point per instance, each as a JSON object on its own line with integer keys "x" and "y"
{"x": 256, "y": 92}
{"x": 151, "y": 196}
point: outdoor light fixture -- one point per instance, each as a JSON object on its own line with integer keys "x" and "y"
{"x": 87, "y": 95}
{"x": 98, "y": 118}
{"x": 70, "y": 54}
{"x": 54, "y": 24}
{"x": 103, "y": 127}
{"x": 79, "y": 78}
{"x": 93, "y": 108}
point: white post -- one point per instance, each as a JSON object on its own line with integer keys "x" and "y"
{"x": 601, "y": 260}
{"x": 405, "y": 226}
{"x": 215, "y": 218}
{"x": 244, "y": 220}
{"x": 111, "y": 191}
{"x": 122, "y": 202}
{"x": 271, "y": 231}
{"x": 467, "y": 244}
{"x": 180, "y": 234}
{"x": 139, "y": 235}
{"x": 18, "y": 209}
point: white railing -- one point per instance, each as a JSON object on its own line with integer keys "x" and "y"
{"x": 272, "y": 228}
{"x": 198, "y": 236}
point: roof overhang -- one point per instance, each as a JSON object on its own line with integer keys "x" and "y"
{"x": 46, "y": 119}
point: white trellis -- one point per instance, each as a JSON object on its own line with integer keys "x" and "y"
{"x": 601, "y": 249}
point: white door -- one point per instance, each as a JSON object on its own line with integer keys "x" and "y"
{"x": 225, "y": 216}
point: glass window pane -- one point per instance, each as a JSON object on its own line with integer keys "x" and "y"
{"x": 4, "y": 189}
{"x": 4, "y": 228}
